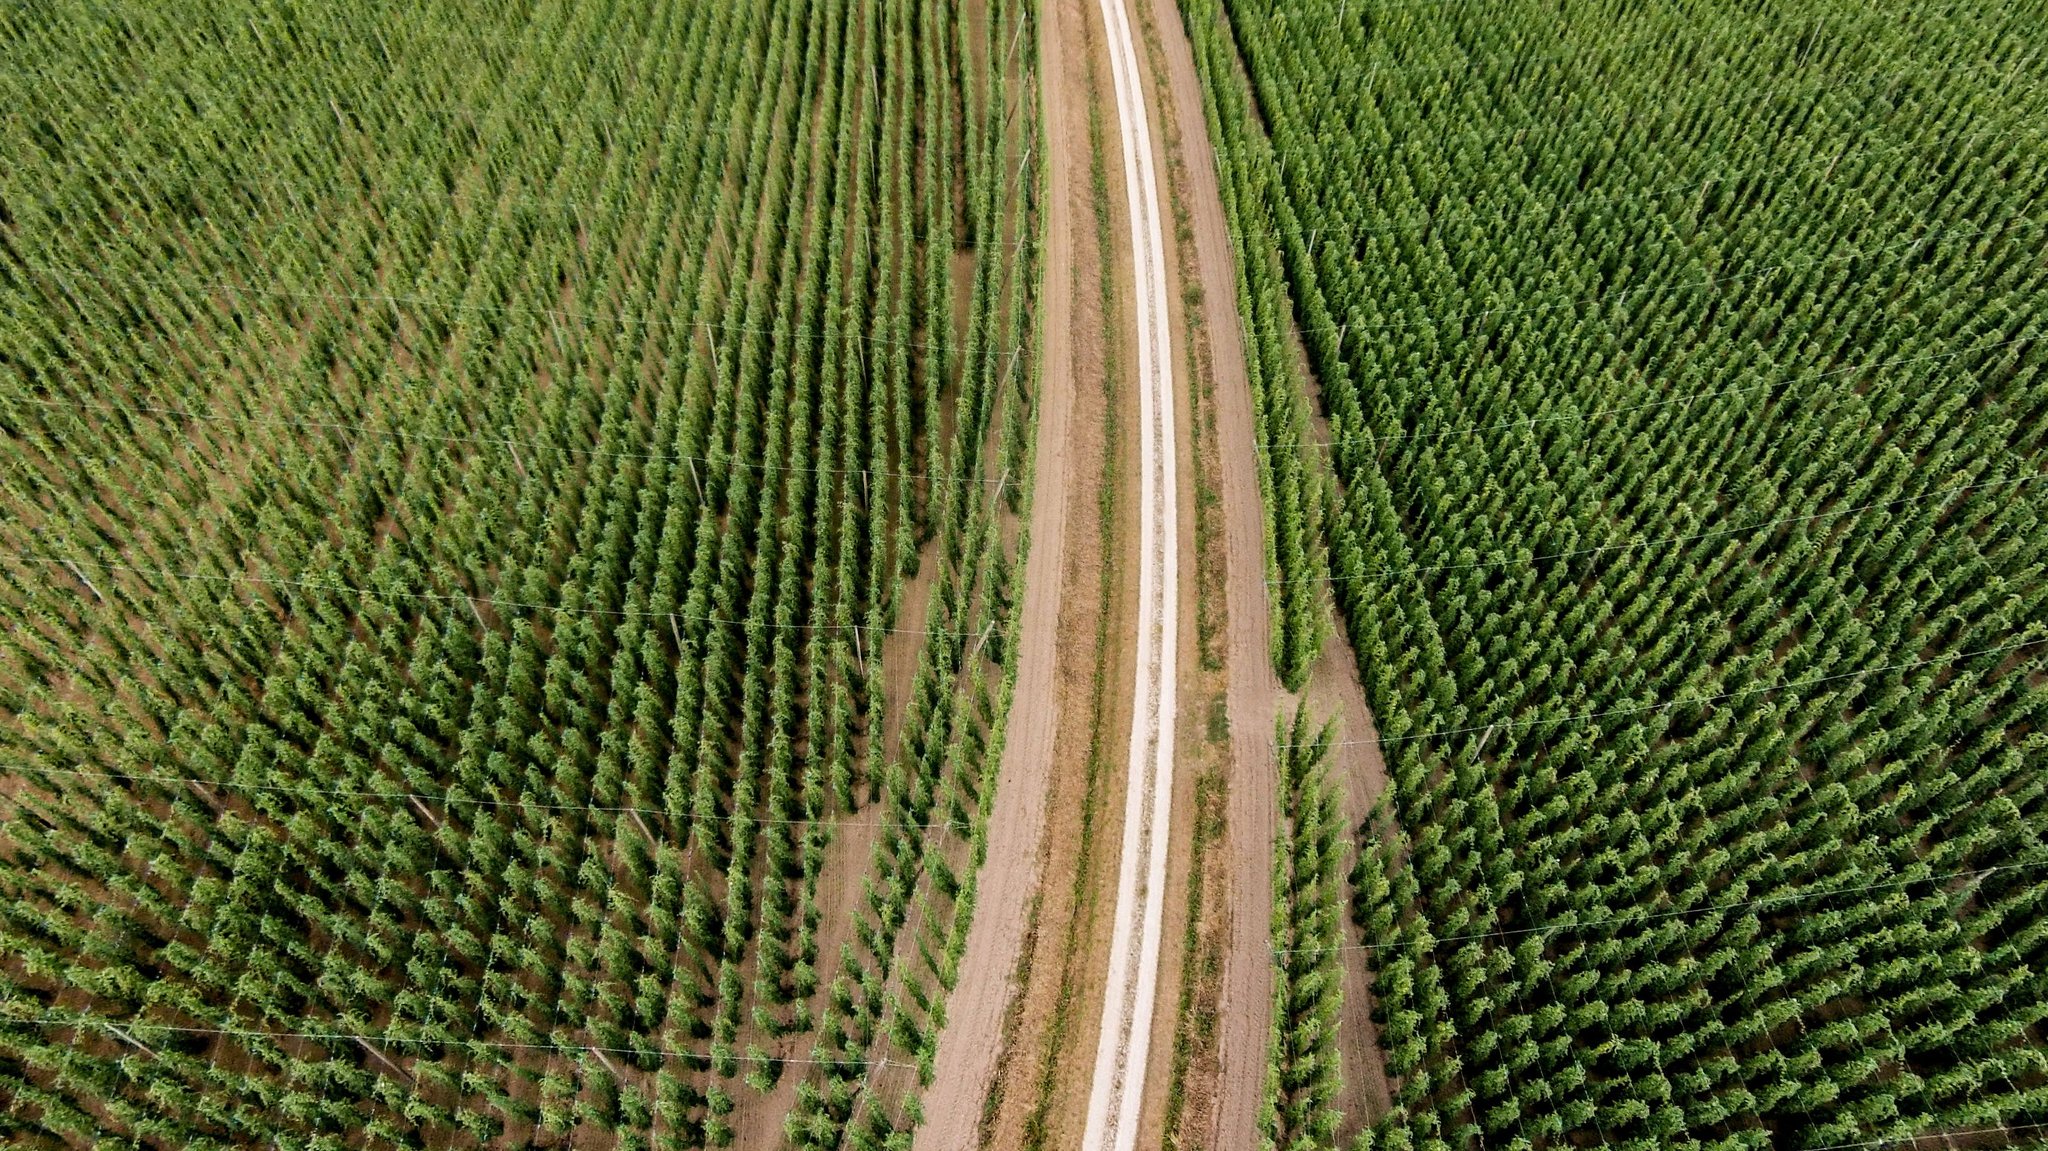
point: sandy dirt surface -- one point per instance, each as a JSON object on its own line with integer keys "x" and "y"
{"x": 1359, "y": 768}
{"x": 1356, "y": 764}
{"x": 757, "y": 1118}
{"x": 1255, "y": 696}
{"x": 1124, "y": 1042}
{"x": 973, "y": 1037}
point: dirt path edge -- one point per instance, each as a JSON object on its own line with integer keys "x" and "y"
{"x": 972, "y": 1037}
{"x": 1254, "y": 693}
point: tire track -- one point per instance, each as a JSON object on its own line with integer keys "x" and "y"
{"x": 971, "y": 1042}
{"x": 1117, "y": 1095}
{"x": 1245, "y": 1008}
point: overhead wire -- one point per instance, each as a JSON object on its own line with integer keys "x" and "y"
{"x": 1637, "y": 545}
{"x": 1634, "y": 918}
{"x": 1687, "y": 701}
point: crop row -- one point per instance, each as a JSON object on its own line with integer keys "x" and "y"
{"x": 1688, "y": 406}
{"x": 1291, "y": 487}
{"x": 465, "y": 466}
{"x": 1304, "y": 1071}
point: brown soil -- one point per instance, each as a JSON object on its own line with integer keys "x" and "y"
{"x": 1182, "y": 1066}
{"x": 1254, "y": 696}
{"x": 903, "y": 647}
{"x": 1021, "y": 1019}
{"x": 1253, "y": 692}
{"x": 1360, "y": 771}
{"x": 849, "y": 854}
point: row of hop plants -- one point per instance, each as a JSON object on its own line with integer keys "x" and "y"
{"x": 455, "y": 533}
{"x": 1687, "y": 423}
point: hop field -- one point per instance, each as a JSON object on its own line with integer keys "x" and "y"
{"x": 1686, "y": 425}
{"x": 507, "y": 551}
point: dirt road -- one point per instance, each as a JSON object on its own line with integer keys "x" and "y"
{"x": 1007, "y": 1079}
{"x": 1254, "y": 691}
{"x": 973, "y": 1035}
{"x": 1117, "y": 1094}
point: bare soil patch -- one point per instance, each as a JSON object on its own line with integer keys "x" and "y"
{"x": 1360, "y": 772}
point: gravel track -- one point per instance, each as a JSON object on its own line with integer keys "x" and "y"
{"x": 1254, "y": 691}
{"x": 1117, "y": 1094}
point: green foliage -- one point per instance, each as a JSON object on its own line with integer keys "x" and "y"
{"x": 1291, "y": 486}
{"x": 458, "y": 462}
{"x": 1303, "y": 1073}
{"x": 1688, "y": 407}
